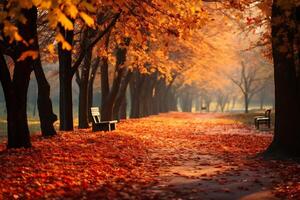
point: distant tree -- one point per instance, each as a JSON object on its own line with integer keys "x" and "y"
{"x": 222, "y": 99}
{"x": 250, "y": 80}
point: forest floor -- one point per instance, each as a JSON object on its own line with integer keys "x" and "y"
{"x": 170, "y": 156}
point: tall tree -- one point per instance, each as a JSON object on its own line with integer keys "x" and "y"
{"x": 67, "y": 69}
{"x": 109, "y": 94}
{"x": 285, "y": 45}
{"x": 16, "y": 87}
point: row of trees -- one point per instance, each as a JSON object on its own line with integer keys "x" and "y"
{"x": 276, "y": 27}
{"x": 119, "y": 38}
{"x": 140, "y": 44}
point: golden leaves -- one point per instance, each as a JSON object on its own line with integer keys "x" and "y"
{"x": 65, "y": 45}
{"x": 11, "y": 31}
{"x": 89, "y": 21}
{"x": 51, "y": 49}
{"x": 71, "y": 10}
{"x": 43, "y": 4}
{"x": 64, "y": 20}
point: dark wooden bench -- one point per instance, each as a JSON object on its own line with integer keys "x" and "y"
{"x": 99, "y": 125}
{"x": 265, "y": 119}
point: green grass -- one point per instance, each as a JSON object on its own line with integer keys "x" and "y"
{"x": 247, "y": 118}
{"x": 34, "y": 126}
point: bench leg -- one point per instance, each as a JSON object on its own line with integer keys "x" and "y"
{"x": 112, "y": 126}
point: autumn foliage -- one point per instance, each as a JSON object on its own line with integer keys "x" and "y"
{"x": 139, "y": 156}
{"x": 166, "y": 56}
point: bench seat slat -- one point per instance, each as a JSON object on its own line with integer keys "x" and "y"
{"x": 111, "y": 122}
{"x": 262, "y": 118}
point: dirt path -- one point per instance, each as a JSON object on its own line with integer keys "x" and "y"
{"x": 208, "y": 157}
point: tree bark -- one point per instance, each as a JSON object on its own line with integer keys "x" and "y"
{"x": 104, "y": 81}
{"x": 109, "y": 101}
{"x": 47, "y": 117}
{"x": 15, "y": 92}
{"x": 95, "y": 67}
{"x": 246, "y": 103}
{"x": 287, "y": 84}
{"x": 121, "y": 98}
{"x": 123, "y": 109}
{"x": 134, "y": 111}
{"x": 135, "y": 88}
{"x": 16, "y": 89}
{"x": 65, "y": 83}
{"x": 83, "y": 91}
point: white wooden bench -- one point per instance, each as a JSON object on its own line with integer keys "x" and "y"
{"x": 99, "y": 125}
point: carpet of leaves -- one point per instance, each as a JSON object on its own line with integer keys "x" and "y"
{"x": 125, "y": 163}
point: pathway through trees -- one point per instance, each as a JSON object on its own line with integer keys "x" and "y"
{"x": 170, "y": 156}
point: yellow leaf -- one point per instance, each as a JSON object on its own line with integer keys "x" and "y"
{"x": 51, "y": 48}
{"x": 65, "y": 22}
{"x": 46, "y": 4}
{"x": 87, "y": 19}
{"x": 29, "y": 53}
{"x": 11, "y": 31}
{"x": 72, "y": 11}
{"x": 17, "y": 36}
{"x": 65, "y": 45}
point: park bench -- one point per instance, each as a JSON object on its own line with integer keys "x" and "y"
{"x": 99, "y": 125}
{"x": 265, "y": 119}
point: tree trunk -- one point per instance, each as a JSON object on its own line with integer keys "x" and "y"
{"x": 47, "y": 117}
{"x": 134, "y": 111}
{"x": 233, "y": 103}
{"x": 65, "y": 83}
{"x": 44, "y": 103}
{"x": 104, "y": 81}
{"x": 121, "y": 98}
{"x": 287, "y": 85}
{"x": 91, "y": 86}
{"x": 15, "y": 92}
{"x": 123, "y": 109}
{"x": 197, "y": 104}
{"x": 246, "y": 102}
{"x": 142, "y": 84}
{"x": 135, "y": 88}
{"x": 174, "y": 100}
{"x": 109, "y": 101}
{"x": 83, "y": 91}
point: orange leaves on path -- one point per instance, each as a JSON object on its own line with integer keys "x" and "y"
{"x": 73, "y": 165}
{"x": 174, "y": 155}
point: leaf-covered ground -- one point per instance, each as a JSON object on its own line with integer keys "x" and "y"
{"x": 170, "y": 156}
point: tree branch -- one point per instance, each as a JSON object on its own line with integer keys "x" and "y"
{"x": 93, "y": 43}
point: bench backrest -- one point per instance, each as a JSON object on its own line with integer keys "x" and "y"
{"x": 96, "y": 114}
{"x": 268, "y": 113}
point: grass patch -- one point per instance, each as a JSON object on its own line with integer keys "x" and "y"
{"x": 248, "y": 118}
{"x": 34, "y": 126}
